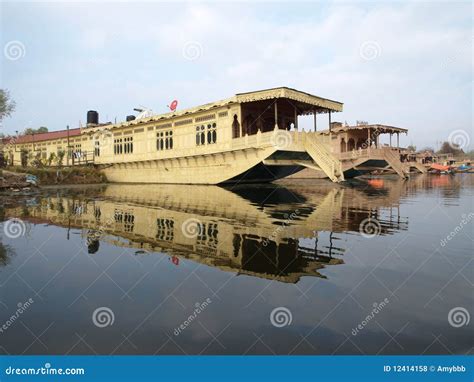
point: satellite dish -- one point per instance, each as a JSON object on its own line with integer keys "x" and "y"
{"x": 173, "y": 105}
{"x": 143, "y": 112}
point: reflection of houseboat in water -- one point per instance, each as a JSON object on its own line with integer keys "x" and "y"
{"x": 250, "y": 137}
{"x": 286, "y": 234}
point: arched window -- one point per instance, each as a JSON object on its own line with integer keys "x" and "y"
{"x": 235, "y": 127}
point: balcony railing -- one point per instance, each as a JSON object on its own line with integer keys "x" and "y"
{"x": 369, "y": 152}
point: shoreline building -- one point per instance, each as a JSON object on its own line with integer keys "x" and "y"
{"x": 250, "y": 137}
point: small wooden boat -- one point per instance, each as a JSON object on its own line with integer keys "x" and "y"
{"x": 440, "y": 169}
{"x": 464, "y": 168}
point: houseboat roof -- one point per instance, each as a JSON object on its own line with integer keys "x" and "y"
{"x": 40, "y": 137}
{"x": 381, "y": 128}
{"x": 305, "y": 103}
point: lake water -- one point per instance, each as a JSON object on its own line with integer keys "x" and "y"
{"x": 382, "y": 266}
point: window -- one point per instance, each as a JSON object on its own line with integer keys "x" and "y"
{"x": 165, "y": 229}
{"x": 200, "y": 135}
{"x": 206, "y": 134}
{"x": 77, "y": 152}
{"x": 164, "y": 140}
{"x": 118, "y": 146}
{"x": 128, "y": 145}
{"x": 97, "y": 149}
{"x": 211, "y": 133}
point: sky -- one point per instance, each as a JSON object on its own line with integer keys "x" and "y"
{"x": 405, "y": 64}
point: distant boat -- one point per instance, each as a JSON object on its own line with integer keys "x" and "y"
{"x": 465, "y": 168}
{"x": 441, "y": 169}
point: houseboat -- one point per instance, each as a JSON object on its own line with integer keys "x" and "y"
{"x": 250, "y": 137}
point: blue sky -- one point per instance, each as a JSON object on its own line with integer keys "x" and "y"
{"x": 398, "y": 63}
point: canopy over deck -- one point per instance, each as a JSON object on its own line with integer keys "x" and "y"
{"x": 382, "y": 129}
{"x": 304, "y": 102}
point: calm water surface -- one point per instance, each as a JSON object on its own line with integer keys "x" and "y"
{"x": 302, "y": 268}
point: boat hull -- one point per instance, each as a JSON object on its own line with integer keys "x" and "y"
{"x": 242, "y": 166}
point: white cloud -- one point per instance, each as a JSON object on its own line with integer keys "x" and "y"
{"x": 420, "y": 79}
